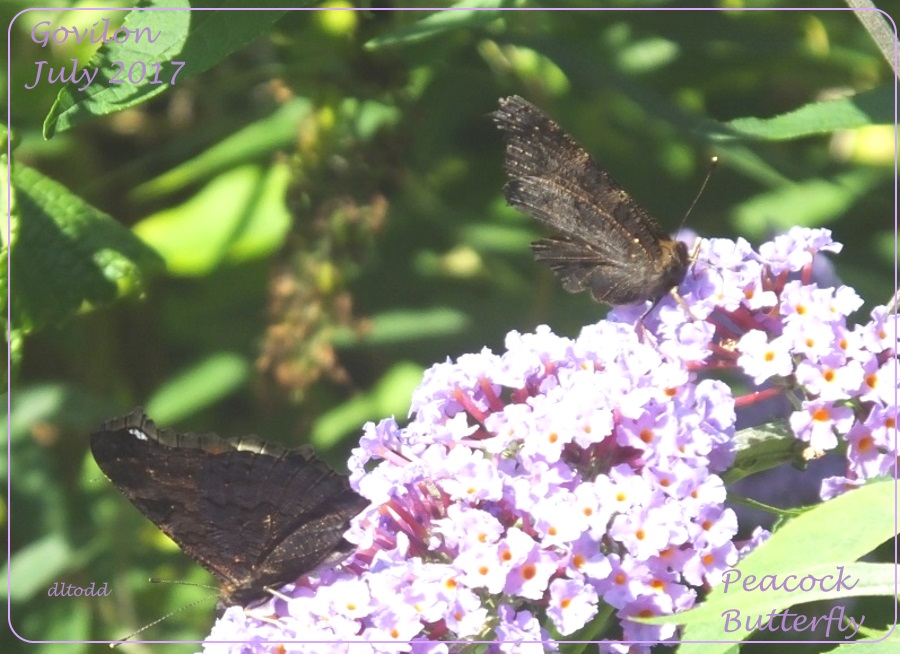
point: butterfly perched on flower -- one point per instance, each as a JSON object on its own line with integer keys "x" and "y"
{"x": 254, "y": 514}
{"x": 606, "y": 242}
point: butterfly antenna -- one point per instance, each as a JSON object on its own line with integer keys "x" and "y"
{"x": 712, "y": 166}
{"x": 157, "y": 580}
{"x": 154, "y": 580}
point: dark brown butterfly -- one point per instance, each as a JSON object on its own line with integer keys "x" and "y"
{"x": 254, "y": 514}
{"x": 607, "y": 243}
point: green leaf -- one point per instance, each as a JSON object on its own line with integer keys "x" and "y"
{"x": 390, "y": 396}
{"x": 402, "y": 326}
{"x": 67, "y": 255}
{"x": 240, "y": 215}
{"x": 492, "y": 238}
{"x": 7, "y": 238}
{"x": 462, "y": 15}
{"x": 63, "y": 621}
{"x": 710, "y": 133}
{"x": 814, "y": 202}
{"x": 184, "y": 43}
{"x": 761, "y": 448}
{"x": 881, "y": 641}
{"x": 253, "y": 141}
{"x": 200, "y": 386}
{"x": 816, "y": 543}
{"x": 869, "y": 108}
{"x": 868, "y": 579}
{"x": 36, "y": 566}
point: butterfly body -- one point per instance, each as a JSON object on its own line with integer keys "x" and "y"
{"x": 605, "y": 242}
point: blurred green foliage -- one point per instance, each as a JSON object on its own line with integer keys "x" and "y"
{"x": 280, "y": 242}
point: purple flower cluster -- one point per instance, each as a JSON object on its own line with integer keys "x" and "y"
{"x": 571, "y": 484}
{"x": 782, "y": 330}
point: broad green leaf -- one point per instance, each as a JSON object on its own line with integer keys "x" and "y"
{"x": 7, "y": 238}
{"x": 67, "y": 255}
{"x": 882, "y": 641}
{"x": 36, "y": 566}
{"x": 744, "y": 159}
{"x": 255, "y": 140}
{"x": 400, "y": 326}
{"x": 816, "y": 543}
{"x": 502, "y": 239}
{"x": 717, "y": 136}
{"x": 820, "y": 536}
{"x": 201, "y": 385}
{"x": 390, "y": 396}
{"x": 183, "y": 42}
{"x": 645, "y": 55}
{"x": 69, "y": 622}
{"x": 873, "y": 107}
{"x": 717, "y": 621}
{"x": 810, "y": 203}
{"x": 761, "y": 448}
{"x": 240, "y": 215}
{"x": 462, "y": 15}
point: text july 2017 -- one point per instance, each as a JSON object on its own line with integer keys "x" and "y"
{"x": 137, "y": 73}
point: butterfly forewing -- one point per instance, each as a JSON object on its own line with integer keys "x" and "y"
{"x": 254, "y": 514}
{"x": 607, "y": 243}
